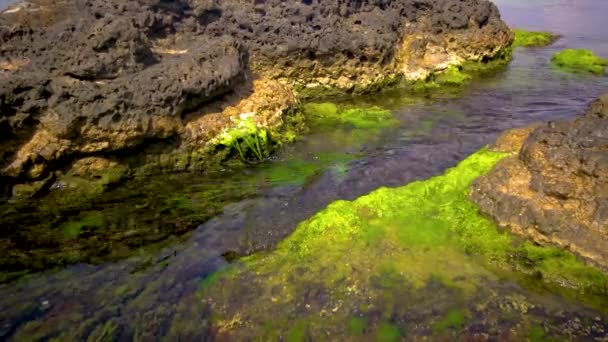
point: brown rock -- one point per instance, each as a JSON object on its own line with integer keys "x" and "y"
{"x": 113, "y": 77}
{"x": 555, "y": 190}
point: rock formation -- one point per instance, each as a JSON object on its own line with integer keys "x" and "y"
{"x": 555, "y": 189}
{"x": 154, "y": 82}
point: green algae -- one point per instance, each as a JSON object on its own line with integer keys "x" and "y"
{"x": 93, "y": 220}
{"x": 453, "y": 76}
{"x": 455, "y": 319}
{"x": 389, "y": 245}
{"x": 536, "y": 333}
{"x": 356, "y": 326}
{"x": 297, "y": 333}
{"x": 580, "y": 60}
{"x": 331, "y": 115}
{"x": 525, "y": 38}
{"x": 246, "y": 137}
{"x": 488, "y": 66}
{"x": 388, "y": 333}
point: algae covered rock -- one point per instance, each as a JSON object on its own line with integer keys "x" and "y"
{"x": 411, "y": 261}
{"x": 160, "y": 81}
{"x": 555, "y": 189}
{"x": 580, "y": 60}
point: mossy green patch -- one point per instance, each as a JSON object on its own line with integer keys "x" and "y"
{"x": 455, "y": 319}
{"x": 382, "y": 250}
{"x": 388, "y": 333}
{"x": 297, "y": 333}
{"x": 331, "y": 115}
{"x": 580, "y": 60}
{"x": 525, "y": 38}
{"x": 92, "y": 220}
{"x": 356, "y": 326}
{"x": 453, "y": 76}
{"x": 487, "y": 66}
{"x": 536, "y": 333}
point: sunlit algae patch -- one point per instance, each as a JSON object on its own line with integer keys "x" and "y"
{"x": 526, "y": 38}
{"x": 580, "y": 60}
{"x": 417, "y": 251}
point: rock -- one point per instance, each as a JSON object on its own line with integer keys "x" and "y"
{"x": 112, "y": 77}
{"x": 555, "y": 189}
{"x": 29, "y": 190}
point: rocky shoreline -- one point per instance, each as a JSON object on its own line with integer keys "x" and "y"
{"x": 554, "y": 189}
{"x": 95, "y": 91}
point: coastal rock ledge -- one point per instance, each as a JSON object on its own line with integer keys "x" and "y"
{"x": 555, "y": 189}
{"x": 102, "y": 83}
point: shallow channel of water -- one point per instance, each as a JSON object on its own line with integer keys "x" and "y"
{"x": 154, "y": 292}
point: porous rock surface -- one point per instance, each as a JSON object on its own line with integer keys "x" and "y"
{"x": 107, "y": 78}
{"x": 555, "y": 189}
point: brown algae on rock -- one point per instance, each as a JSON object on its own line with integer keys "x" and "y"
{"x": 580, "y": 60}
{"x": 525, "y": 38}
{"x": 374, "y": 255}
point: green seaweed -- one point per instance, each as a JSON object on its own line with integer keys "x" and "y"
{"x": 297, "y": 333}
{"x": 330, "y": 115}
{"x": 536, "y": 333}
{"x": 525, "y": 38}
{"x": 580, "y": 60}
{"x": 453, "y": 76}
{"x": 455, "y": 319}
{"x": 390, "y": 244}
{"x": 245, "y": 137}
{"x": 91, "y": 220}
{"x": 356, "y": 326}
{"x": 487, "y": 66}
{"x": 388, "y": 333}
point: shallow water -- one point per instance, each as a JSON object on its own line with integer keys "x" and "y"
{"x": 154, "y": 291}
{"x": 5, "y": 3}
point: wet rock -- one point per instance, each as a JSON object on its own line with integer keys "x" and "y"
{"x": 92, "y": 78}
{"x": 555, "y": 188}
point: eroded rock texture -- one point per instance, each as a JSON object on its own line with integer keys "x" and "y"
{"x": 555, "y": 190}
{"x": 108, "y": 78}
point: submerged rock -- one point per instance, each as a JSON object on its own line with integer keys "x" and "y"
{"x": 162, "y": 80}
{"x": 555, "y": 189}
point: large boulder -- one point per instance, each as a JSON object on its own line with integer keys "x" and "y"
{"x": 555, "y": 188}
{"x": 108, "y": 78}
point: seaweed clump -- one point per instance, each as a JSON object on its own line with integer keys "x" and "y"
{"x": 525, "y": 38}
{"x": 246, "y": 138}
{"x": 580, "y": 60}
{"x": 331, "y": 115}
{"x": 378, "y": 255}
